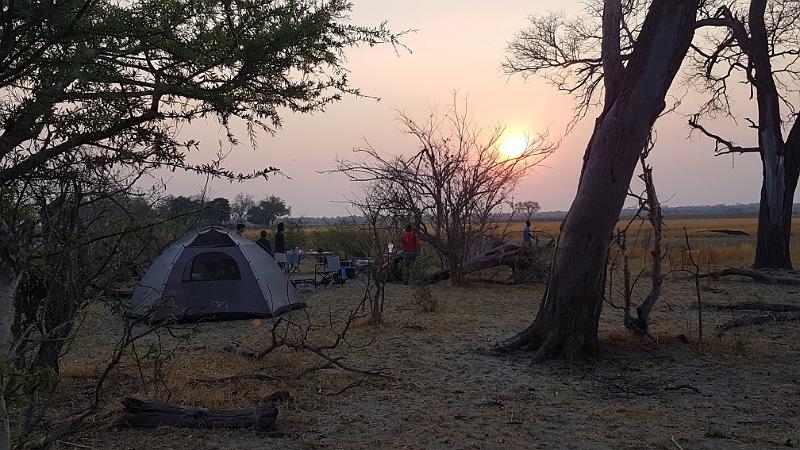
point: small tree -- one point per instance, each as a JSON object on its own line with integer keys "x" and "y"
{"x": 453, "y": 184}
{"x": 526, "y": 209}
{"x": 196, "y": 211}
{"x": 217, "y": 211}
{"x": 380, "y": 227}
{"x": 241, "y": 206}
{"x": 268, "y": 210}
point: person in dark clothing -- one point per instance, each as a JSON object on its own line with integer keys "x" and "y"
{"x": 264, "y": 243}
{"x": 280, "y": 246}
{"x": 240, "y": 229}
{"x": 527, "y": 236}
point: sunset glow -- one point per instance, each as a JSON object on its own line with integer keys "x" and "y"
{"x": 514, "y": 144}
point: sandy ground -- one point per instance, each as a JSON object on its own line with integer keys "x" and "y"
{"x": 448, "y": 390}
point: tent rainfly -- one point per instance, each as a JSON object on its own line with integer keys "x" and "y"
{"x": 215, "y": 275}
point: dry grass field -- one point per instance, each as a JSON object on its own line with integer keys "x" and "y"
{"x": 447, "y": 389}
{"x": 713, "y": 247}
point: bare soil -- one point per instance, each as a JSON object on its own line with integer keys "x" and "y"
{"x": 449, "y": 390}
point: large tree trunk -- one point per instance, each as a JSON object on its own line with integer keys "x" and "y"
{"x": 774, "y": 226}
{"x": 566, "y": 325}
{"x": 777, "y": 189}
{"x": 10, "y": 276}
{"x": 9, "y": 280}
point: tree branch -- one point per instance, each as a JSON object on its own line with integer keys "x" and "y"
{"x": 722, "y": 146}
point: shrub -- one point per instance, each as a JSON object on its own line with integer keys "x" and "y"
{"x": 344, "y": 239}
{"x": 424, "y": 300}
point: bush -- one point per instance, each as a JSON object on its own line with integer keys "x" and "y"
{"x": 295, "y": 234}
{"x": 344, "y": 239}
{"x": 424, "y": 300}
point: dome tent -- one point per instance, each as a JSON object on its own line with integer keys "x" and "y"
{"x": 213, "y": 274}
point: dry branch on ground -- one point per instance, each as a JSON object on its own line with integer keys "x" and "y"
{"x": 760, "y": 275}
{"x": 753, "y": 306}
{"x": 757, "y": 320}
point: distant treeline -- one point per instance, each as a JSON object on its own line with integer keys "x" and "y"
{"x": 737, "y": 210}
{"x": 697, "y": 211}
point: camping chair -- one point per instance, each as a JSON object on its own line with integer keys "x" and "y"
{"x": 293, "y": 261}
{"x": 329, "y": 272}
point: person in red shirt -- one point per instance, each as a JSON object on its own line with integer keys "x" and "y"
{"x": 410, "y": 243}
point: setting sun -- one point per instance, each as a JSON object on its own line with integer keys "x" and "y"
{"x": 514, "y": 144}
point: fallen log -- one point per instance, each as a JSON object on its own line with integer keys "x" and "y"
{"x": 757, "y": 320}
{"x": 150, "y": 414}
{"x": 728, "y": 232}
{"x": 753, "y": 306}
{"x": 763, "y": 276}
{"x": 526, "y": 263}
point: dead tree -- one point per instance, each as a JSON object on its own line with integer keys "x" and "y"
{"x": 635, "y": 91}
{"x": 650, "y": 205}
{"x": 695, "y": 273}
{"x": 379, "y": 228}
{"x": 761, "y": 43}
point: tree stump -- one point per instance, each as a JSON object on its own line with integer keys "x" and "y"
{"x": 151, "y": 414}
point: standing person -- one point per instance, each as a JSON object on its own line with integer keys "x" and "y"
{"x": 527, "y": 236}
{"x": 280, "y": 246}
{"x": 410, "y": 243}
{"x": 264, "y": 243}
{"x": 240, "y": 229}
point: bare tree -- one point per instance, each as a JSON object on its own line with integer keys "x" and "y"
{"x": 636, "y": 80}
{"x": 242, "y": 203}
{"x": 528, "y": 208}
{"x": 453, "y": 185}
{"x": 379, "y": 228}
{"x": 572, "y": 53}
{"x": 650, "y": 207}
{"x": 759, "y": 42}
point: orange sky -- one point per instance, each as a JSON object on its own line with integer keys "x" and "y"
{"x": 458, "y": 46}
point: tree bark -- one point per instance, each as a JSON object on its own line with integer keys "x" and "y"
{"x": 777, "y": 189}
{"x": 567, "y": 322}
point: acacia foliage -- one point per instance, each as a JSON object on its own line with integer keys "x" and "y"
{"x": 120, "y": 77}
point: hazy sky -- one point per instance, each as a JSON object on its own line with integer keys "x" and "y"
{"x": 458, "y": 46}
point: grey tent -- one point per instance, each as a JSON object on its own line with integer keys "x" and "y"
{"x": 213, "y": 274}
